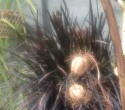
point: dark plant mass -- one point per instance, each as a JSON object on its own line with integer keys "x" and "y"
{"x": 59, "y": 84}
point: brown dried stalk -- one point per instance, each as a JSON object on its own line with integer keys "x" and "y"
{"x": 117, "y": 47}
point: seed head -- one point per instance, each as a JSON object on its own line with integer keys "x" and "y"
{"x": 81, "y": 63}
{"x": 77, "y": 95}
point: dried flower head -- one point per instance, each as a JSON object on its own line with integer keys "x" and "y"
{"x": 77, "y": 95}
{"x": 81, "y": 63}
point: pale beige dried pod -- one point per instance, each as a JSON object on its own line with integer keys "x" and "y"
{"x": 77, "y": 95}
{"x": 81, "y": 63}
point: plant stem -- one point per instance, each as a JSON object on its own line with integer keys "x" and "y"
{"x": 123, "y": 32}
{"x": 117, "y": 47}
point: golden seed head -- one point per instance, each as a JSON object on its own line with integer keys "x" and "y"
{"x": 76, "y": 91}
{"x": 77, "y": 95}
{"x": 79, "y": 65}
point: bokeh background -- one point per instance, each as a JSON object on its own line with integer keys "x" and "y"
{"x": 78, "y": 9}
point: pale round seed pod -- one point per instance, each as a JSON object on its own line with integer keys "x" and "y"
{"x": 76, "y": 91}
{"x": 77, "y": 95}
{"x": 80, "y": 64}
